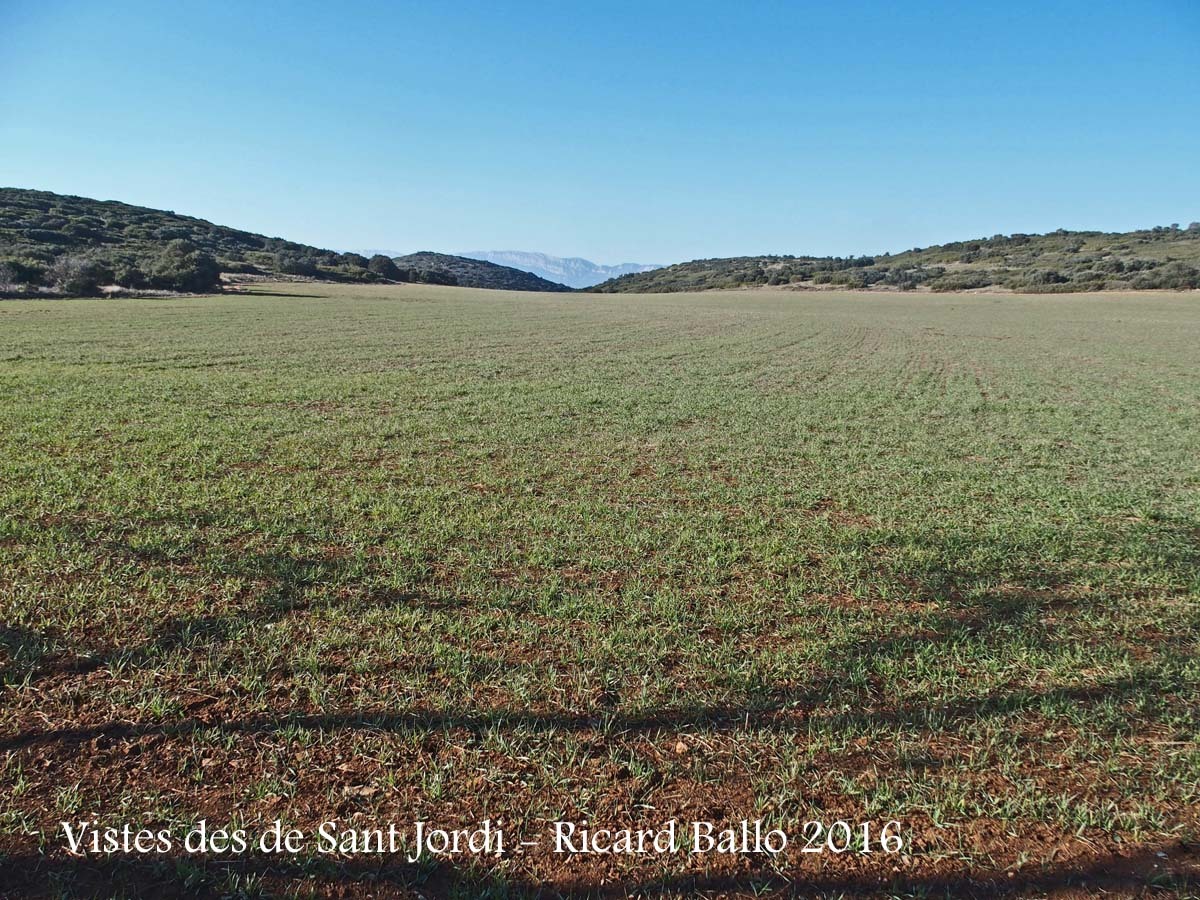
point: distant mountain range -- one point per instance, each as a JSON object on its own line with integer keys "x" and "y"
{"x": 571, "y": 271}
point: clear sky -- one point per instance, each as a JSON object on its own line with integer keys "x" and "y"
{"x": 643, "y": 131}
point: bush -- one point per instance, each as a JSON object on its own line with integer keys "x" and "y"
{"x": 1176, "y": 276}
{"x": 428, "y": 276}
{"x": 183, "y": 267}
{"x": 43, "y": 236}
{"x": 130, "y": 275}
{"x": 80, "y": 275}
{"x": 294, "y": 264}
{"x": 961, "y": 281}
{"x": 23, "y": 270}
{"x": 1043, "y": 278}
{"x": 10, "y": 282}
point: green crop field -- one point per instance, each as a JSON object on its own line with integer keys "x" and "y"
{"x": 387, "y": 554}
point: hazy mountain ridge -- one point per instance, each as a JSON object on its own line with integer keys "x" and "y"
{"x": 573, "y": 271}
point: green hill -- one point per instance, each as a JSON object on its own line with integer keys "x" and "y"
{"x": 1162, "y": 257}
{"x": 476, "y": 272}
{"x": 46, "y": 239}
{"x": 75, "y": 245}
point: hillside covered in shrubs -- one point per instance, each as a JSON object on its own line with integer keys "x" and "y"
{"x": 78, "y": 246}
{"x": 52, "y": 243}
{"x": 1157, "y": 258}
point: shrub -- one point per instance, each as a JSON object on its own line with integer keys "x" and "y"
{"x": 79, "y": 275}
{"x": 10, "y": 281}
{"x": 961, "y": 281}
{"x": 1043, "y": 277}
{"x": 183, "y": 267}
{"x": 22, "y": 270}
{"x": 295, "y": 264}
{"x": 1172, "y": 276}
{"x": 44, "y": 236}
{"x": 130, "y": 275}
{"x": 432, "y": 276}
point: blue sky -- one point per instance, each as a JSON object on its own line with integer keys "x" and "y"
{"x": 643, "y": 131}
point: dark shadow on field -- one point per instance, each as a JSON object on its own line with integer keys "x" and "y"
{"x": 256, "y": 293}
{"x": 999, "y": 622}
{"x": 31, "y": 655}
{"x": 1002, "y": 620}
{"x": 1001, "y": 608}
{"x": 284, "y": 580}
{"x": 783, "y": 712}
{"x": 1143, "y": 872}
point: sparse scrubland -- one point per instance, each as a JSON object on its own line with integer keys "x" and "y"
{"x": 383, "y": 554}
{"x": 1162, "y": 258}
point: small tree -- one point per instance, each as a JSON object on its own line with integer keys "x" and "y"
{"x": 79, "y": 275}
{"x": 10, "y": 281}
